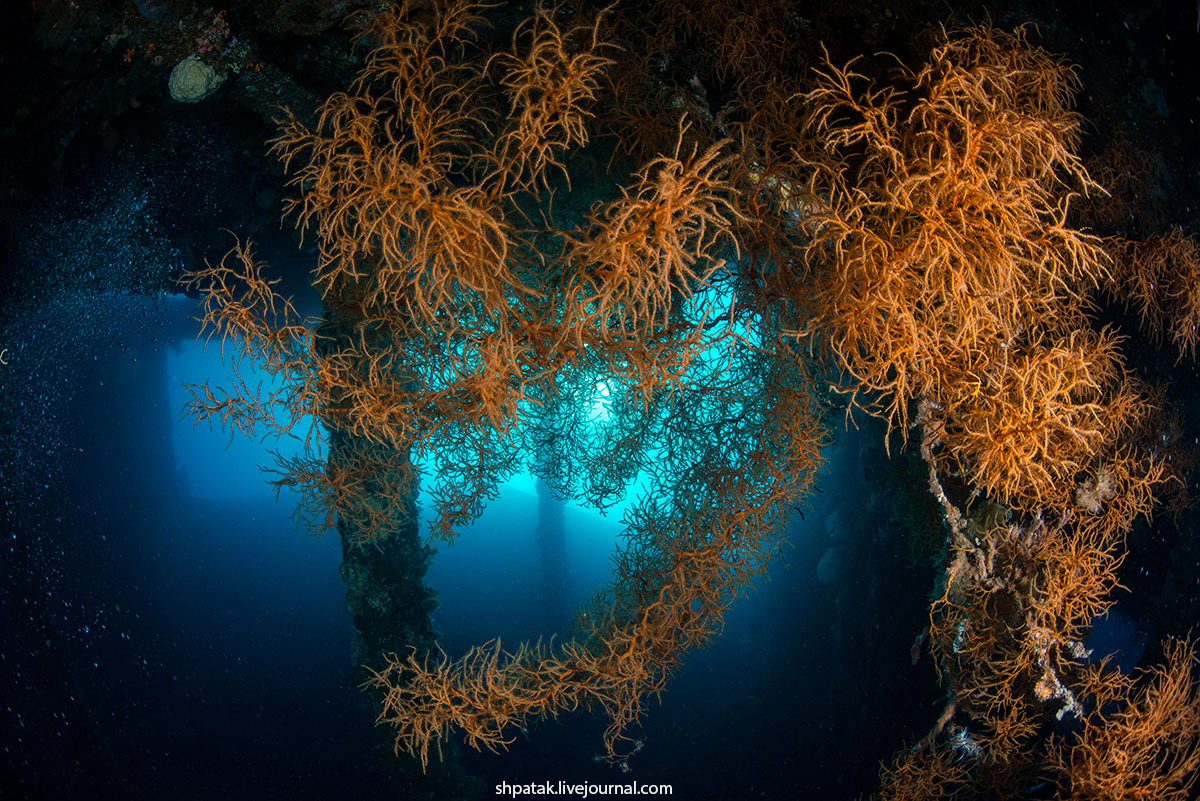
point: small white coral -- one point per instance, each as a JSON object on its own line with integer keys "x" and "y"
{"x": 192, "y": 80}
{"x": 1091, "y": 494}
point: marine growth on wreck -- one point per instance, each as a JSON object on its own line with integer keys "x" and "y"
{"x": 878, "y": 348}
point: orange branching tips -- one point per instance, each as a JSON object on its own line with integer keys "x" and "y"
{"x": 691, "y": 548}
{"x": 369, "y": 488}
{"x": 243, "y": 311}
{"x": 551, "y": 90}
{"x": 1160, "y": 279}
{"x": 1149, "y": 745}
{"x": 482, "y": 296}
{"x": 955, "y": 278}
{"x": 467, "y": 328}
{"x": 925, "y": 775}
{"x": 645, "y": 253}
{"x": 940, "y": 272}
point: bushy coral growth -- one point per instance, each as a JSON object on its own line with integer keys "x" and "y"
{"x": 691, "y": 549}
{"x": 1160, "y": 279}
{"x": 946, "y": 271}
{"x": 945, "y": 274}
{"x": 1149, "y": 746}
{"x": 465, "y": 328}
{"x": 908, "y": 242}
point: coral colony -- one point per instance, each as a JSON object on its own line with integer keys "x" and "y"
{"x": 736, "y": 282}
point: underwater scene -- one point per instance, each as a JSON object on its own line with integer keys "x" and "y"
{"x": 709, "y": 399}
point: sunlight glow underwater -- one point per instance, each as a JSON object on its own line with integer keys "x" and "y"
{"x": 223, "y": 465}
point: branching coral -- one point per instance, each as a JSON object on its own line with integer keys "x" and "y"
{"x": 942, "y": 271}
{"x": 913, "y": 236}
{"x": 451, "y": 336}
{"x": 1150, "y": 746}
{"x": 954, "y": 277}
{"x": 1160, "y": 278}
{"x": 690, "y": 551}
